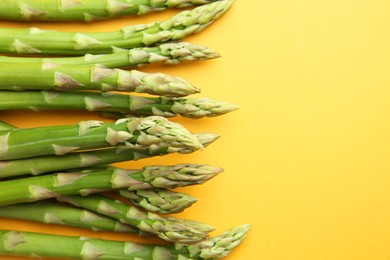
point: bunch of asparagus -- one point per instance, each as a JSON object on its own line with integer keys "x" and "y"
{"x": 65, "y": 174}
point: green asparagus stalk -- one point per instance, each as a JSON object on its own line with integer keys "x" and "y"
{"x": 137, "y": 133}
{"x": 168, "y": 228}
{"x": 19, "y": 243}
{"x": 103, "y": 179}
{"x": 37, "y": 41}
{"x": 44, "y": 164}
{"x": 82, "y": 77}
{"x": 50, "y": 212}
{"x": 167, "y": 53}
{"x": 86, "y": 10}
{"x": 121, "y": 104}
{"x": 160, "y": 201}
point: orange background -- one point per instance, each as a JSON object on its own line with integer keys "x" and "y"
{"x": 306, "y": 155}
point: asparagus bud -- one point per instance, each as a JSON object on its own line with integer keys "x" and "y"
{"x": 161, "y": 201}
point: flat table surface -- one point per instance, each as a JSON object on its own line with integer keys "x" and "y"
{"x": 306, "y": 156}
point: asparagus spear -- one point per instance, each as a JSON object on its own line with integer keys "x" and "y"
{"x": 161, "y": 201}
{"x": 45, "y": 245}
{"x": 37, "y": 41}
{"x": 44, "y": 164}
{"x": 152, "y": 132}
{"x": 50, "y": 212}
{"x": 86, "y": 10}
{"x": 82, "y": 77}
{"x": 103, "y": 179}
{"x": 168, "y": 228}
{"x": 126, "y": 104}
{"x": 167, "y": 53}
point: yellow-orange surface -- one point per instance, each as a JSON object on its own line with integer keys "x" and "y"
{"x": 306, "y": 157}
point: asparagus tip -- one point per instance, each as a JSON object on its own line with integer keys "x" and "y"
{"x": 201, "y": 107}
{"x": 163, "y": 84}
{"x": 167, "y": 132}
{"x": 159, "y": 200}
{"x": 179, "y": 175}
{"x": 205, "y": 139}
{"x": 202, "y": 227}
{"x": 185, "y": 51}
{"x": 222, "y": 245}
